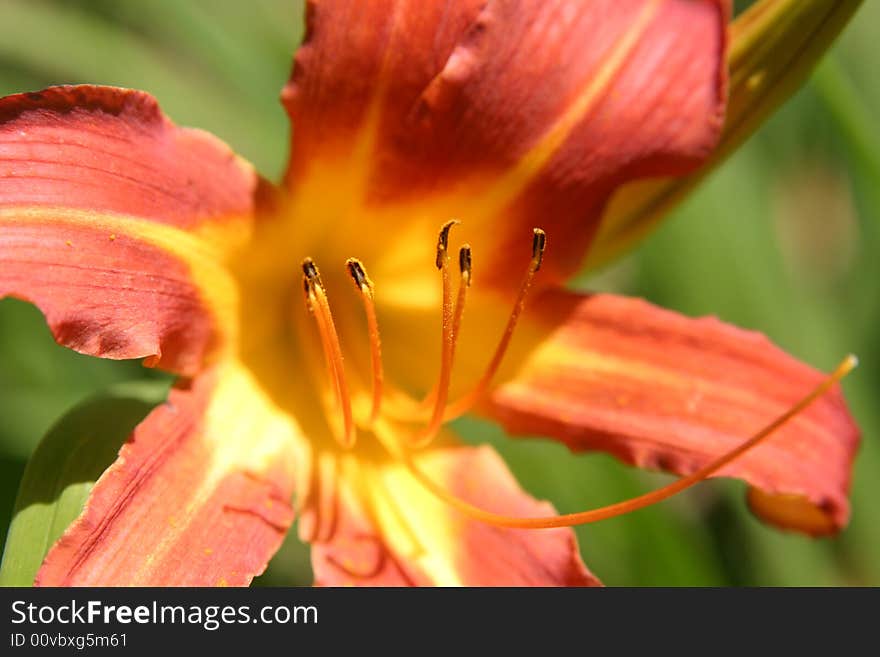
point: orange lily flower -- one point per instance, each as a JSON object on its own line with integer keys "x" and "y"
{"x": 326, "y": 393}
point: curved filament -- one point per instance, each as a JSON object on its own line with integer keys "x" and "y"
{"x": 318, "y": 303}
{"x": 365, "y": 287}
{"x": 636, "y": 503}
{"x": 469, "y": 400}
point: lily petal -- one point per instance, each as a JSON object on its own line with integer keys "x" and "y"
{"x": 774, "y": 46}
{"x": 662, "y": 391}
{"x": 113, "y": 222}
{"x": 387, "y": 530}
{"x": 363, "y": 57}
{"x": 488, "y": 127}
{"x": 200, "y": 494}
{"x": 108, "y": 149}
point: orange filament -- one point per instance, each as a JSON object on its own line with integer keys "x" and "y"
{"x": 318, "y": 510}
{"x": 464, "y": 265}
{"x": 470, "y": 399}
{"x": 636, "y": 503}
{"x": 317, "y": 302}
{"x": 447, "y": 350}
{"x": 365, "y": 287}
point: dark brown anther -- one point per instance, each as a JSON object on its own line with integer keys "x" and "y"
{"x": 356, "y": 270}
{"x": 443, "y": 242}
{"x": 539, "y": 242}
{"x": 464, "y": 262}
{"x": 307, "y": 293}
{"x": 311, "y": 271}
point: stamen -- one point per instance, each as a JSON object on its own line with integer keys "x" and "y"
{"x": 539, "y": 243}
{"x": 447, "y": 349}
{"x": 464, "y": 282}
{"x": 464, "y": 263}
{"x": 365, "y": 287}
{"x": 443, "y": 242}
{"x": 636, "y": 503}
{"x": 318, "y": 303}
{"x": 470, "y": 399}
{"x": 310, "y": 269}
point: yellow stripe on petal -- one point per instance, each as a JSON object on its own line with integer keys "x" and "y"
{"x": 203, "y": 250}
{"x": 244, "y": 432}
{"x": 536, "y": 158}
{"x": 417, "y": 513}
{"x": 390, "y": 531}
{"x": 200, "y": 494}
{"x": 242, "y": 408}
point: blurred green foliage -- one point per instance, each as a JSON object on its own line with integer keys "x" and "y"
{"x": 63, "y": 469}
{"x": 782, "y": 239}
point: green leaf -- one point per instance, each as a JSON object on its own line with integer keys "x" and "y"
{"x": 178, "y": 52}
{"x": 64, "y": 467}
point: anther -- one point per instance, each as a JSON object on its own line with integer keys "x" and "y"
{"x": 464, "y": 263}
{"x": 307, "y": 287}
{"x": 447, "y": 330}
{"x": 317, "y": 302}
{"x": 311, "y": 271}
{"x": 539, "y": 242}
{"x": 443, "y": 242}
{"x": 469, "y": 400}
{"x": 356, "y": 270}
{"x": 365, "y": 287}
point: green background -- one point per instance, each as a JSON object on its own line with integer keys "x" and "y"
{"x": 782, "y": 239}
